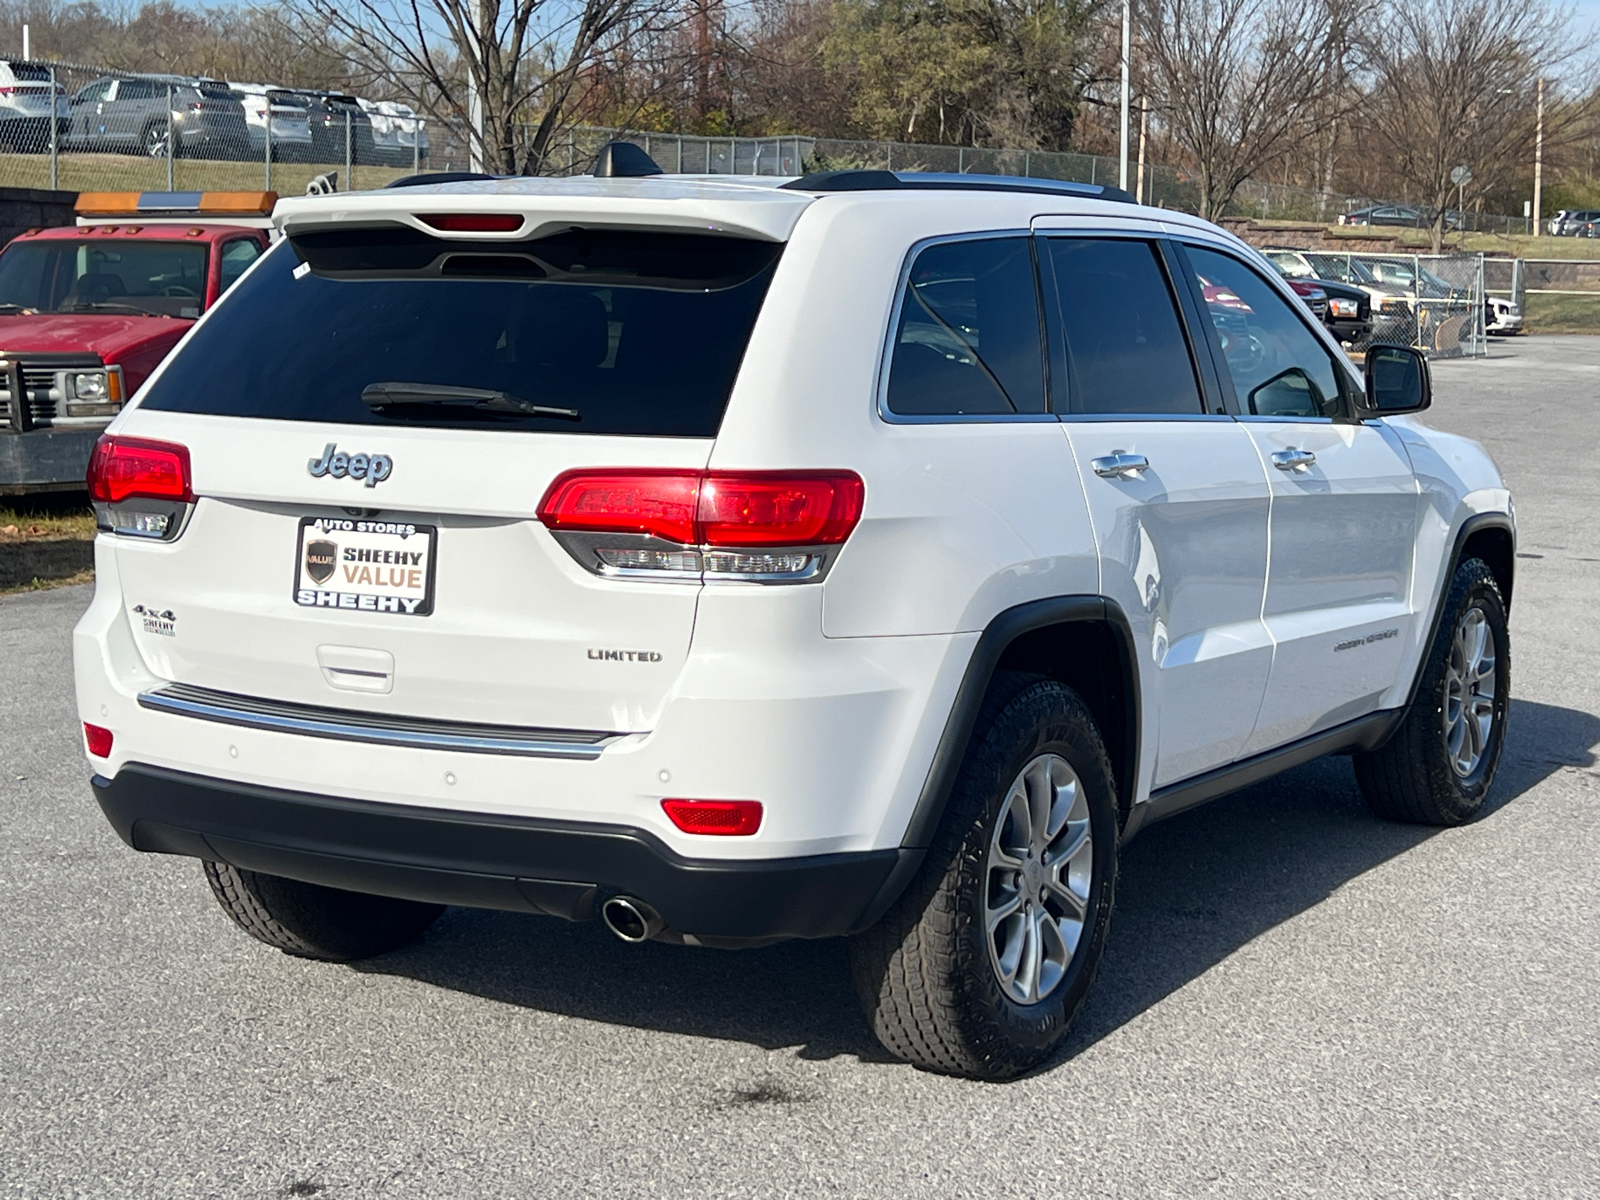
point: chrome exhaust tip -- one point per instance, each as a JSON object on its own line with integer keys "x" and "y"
{"x": 631, "y": 919}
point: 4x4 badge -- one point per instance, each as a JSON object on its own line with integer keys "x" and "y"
{"x": 374, "y": 468}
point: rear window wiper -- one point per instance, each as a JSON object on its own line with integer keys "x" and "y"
{"x": 377, "y": 396}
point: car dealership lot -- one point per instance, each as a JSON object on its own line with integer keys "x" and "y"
{"x": 1297, "y": 998}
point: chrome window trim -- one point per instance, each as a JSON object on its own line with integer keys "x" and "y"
{"x": 381, "y": 729}
{"x": 1101, "y": 418}
{"x": 880, "y": 389}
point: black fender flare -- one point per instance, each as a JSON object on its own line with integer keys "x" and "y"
{"x": 1473, "y": 524}
{"x": 1004, "y": 629}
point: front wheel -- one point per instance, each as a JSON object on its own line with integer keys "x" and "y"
{"x": 982, "y": 967}
{"x": 1440, "y": 763}
{"x": 312, "y": 921}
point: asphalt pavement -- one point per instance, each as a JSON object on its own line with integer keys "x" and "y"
{"x": 1297, "y": 1000}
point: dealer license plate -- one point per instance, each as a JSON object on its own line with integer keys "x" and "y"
{"x": 369, "y": 566}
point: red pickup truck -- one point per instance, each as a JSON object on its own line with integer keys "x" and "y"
{"x": 87, "y": 312}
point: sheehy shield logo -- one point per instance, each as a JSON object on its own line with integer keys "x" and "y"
{"x": 321, "y": 557}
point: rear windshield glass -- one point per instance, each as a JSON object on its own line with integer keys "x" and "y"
{"x": 106, "y": 275}
{"x": 614, "y": 332}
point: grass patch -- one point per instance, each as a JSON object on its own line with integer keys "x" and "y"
{"x": 1562, "y": 314}
{"x": 46, "y": 541}
{"x": 31, "y": 524}
{"x": 44, "y": 585}
{"x": 130, "y": 173}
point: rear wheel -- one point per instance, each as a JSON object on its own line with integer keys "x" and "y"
{"x": 155, "y": 141}
{"x": 1440, "y": 763}
{"x": 311, "y": 921}
{"x": 982, "y": 967}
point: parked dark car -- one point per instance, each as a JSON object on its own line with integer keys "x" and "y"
{"x": 130, "y": 114}
{"x": 1407, "y": 216}
{"x": 330, "y": 115}
{"x": 1347, "y": 310}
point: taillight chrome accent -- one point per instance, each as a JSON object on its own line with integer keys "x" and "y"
{"x": 140, "y": 488}
{"x": 689, "y": 526}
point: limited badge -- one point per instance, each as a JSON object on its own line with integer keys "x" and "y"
{"x": 321, "y": 559}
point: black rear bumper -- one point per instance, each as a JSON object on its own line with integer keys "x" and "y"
{"x": 485, "y": 861}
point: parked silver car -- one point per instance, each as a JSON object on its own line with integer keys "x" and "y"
{"x": 131, "y": 114}
{"x": 25, "y": 107}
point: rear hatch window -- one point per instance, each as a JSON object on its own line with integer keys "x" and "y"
{"x": 585, "y": 331}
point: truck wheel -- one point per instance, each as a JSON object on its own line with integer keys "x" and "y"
{"x": 1437, "y": 767}
{"x": 311, "y": 921}
{"x": 981, "y": 968}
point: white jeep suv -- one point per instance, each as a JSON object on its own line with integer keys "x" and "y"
{"x": 739, "y": 559}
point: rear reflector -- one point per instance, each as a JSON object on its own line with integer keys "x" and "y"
{"x": 121, "y": 468}
{"x": 98, "y": 739}
{"x": 711, "y": 508}
{"x": 721, "y": 818}
{"x": 472, "y": 222}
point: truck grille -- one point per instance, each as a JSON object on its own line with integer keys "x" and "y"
{"x": 39, "y": 377}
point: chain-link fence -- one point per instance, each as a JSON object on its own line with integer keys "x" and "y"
{"x": 84, "y": 128}
{"x": 1551, "y": 295}
{"x": 1436, "y": 302}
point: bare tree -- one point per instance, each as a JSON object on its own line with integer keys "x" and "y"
{"x": 1238, "y": 83}
{"x": 520, "y": 63}
{"x": 1454, "y": 84}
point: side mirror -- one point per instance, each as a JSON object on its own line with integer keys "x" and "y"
{"x": 1398, "y": 381}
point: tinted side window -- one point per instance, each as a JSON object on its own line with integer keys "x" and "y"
{"x": 236, "y": 256}
{"x": 137, "y": 89}
{"x": 968, "y": 340}
{"x": 1279, "y": 368}
{"x": 1125, "y": 347}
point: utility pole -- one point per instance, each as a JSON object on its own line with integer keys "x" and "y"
{"x": 1144, "y": 119}
{"x": 1127, "y": 39}
{"x": 1538, "y": 163}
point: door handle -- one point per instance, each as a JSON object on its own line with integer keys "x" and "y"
{"x": 1293, "y": 460}
{"x": 1119, "y": 465}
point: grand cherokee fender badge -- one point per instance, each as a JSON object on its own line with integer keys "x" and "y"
{"x": 374, "y": 468}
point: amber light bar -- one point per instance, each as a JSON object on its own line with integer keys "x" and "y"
{"x": 218, "y": 204}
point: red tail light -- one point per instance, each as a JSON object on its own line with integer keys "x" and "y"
{"x": 719, "y": 818}
{"x": 710, "y": 508}
{"x": 121, "y": 468}
{"x": 654, "y": 502}
{"x": 98, "y": 739}
{"x": 778, "y": 508}
{"x": 472, "y": 222}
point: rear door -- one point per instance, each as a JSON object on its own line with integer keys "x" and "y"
{"x": 387, "y": 555}
{"x": 1176, "y": 493}
{"x": 1344, "y": 509}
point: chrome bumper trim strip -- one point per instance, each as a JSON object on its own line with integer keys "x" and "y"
{"x": 378, "y": 728}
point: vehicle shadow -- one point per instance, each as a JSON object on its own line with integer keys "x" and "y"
{"x": 1193, "y": 890}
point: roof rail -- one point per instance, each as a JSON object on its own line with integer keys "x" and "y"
{"x": 874, "y": 181}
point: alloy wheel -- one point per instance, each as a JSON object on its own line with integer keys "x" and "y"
{"x": 1037, "y": 879}
{"x": 1469, "y": 705}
